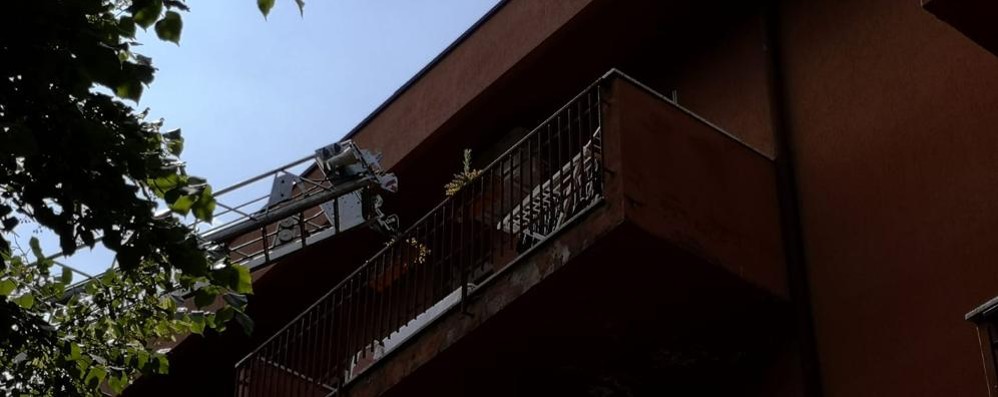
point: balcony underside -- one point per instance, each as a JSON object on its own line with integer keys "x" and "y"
{"x": 973, "y": 18}
{"x": 631, "y": 313}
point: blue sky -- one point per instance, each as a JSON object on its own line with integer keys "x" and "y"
{"x": 251, "y": 94}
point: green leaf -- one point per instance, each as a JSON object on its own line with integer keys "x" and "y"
{"x": 176, "y": 146}
{"x": 7, "y": 286}
{"x": 74, "y": 351}
{"x": 131, "y": 89}
{"x": 163, "y": 364}
{"x": 265, "y": 6}
{"x": 204, "y": 208}
{"x": 224, "y": 314}
{"x": 244, "y": 280}
{"x": 117, "y": 383}
{"x": 142, "y": 358}
{"x": 235, "y": 300}
{"x": 25, "y": 301}
{"x": 126, "y": 25}
{"x": 176, "y": 4}
{"x": 167, "y": 303}
{"x": 160, "y": 186}
{"x": 173, "y": 134}
{"x": 169, "y": 27}
{"x": 36, "y": 248}
{"x": 203, "y": 298}
{"x": 109, "y": 277}
{"x": 183, "y": 204}
{"x": 197, "y": 323}
{"x": 67, "y": 276}
{"x": 149, "y": 14}
{"x": 95, "y": 377}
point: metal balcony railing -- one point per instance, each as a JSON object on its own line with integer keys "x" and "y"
{"x": 535, "y": 188}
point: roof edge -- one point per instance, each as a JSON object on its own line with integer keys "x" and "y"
{"x": 419, "y": 75}
{"x": 426, "y": 69}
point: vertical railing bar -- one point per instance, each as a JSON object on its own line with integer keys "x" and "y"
{"x": 334, "y": 336}
{"x": 417, "y": 301}
{"x": 318, "y": 332}
{"x": 431, "y": 258}
{"x": 285, "y": 355}
{"x": 537, "y": 178}
{"x": 563, "y": 124}
{"x": 502, "y": 199}
{"x": 407, "y": 273}
{"x": 259, "y": 377}
{"x": 357, "y": 328}
{"x": 372, "y": 311}
{"x": 574, "y": 129}
{"x": 530, "y": 184}
{"x": 602, "y": 143}
{"x": 552, "y": 169}
{"x": 319, "y": 370}
{"x": 421, "y": 257}
{"x": 460, "y": 245}
{"x": 451, "y": 254}
{"x": 495, "y": 227}
{"x": 400, "y": 264}
{"x": 264, "y": 381}
{"x": 476, "y": 233}
{"x": 577, "y": 181}
{"x": 516, "y": 188}
{"x": 391, "y": 287}
{"x": 339, "y": 339}
{"x": 276, "y": 359}
{"x": 390, "y": 294}
{"x": 445, "y": 253}
{"x": 482, "y": 228}
{"x": 305, "y": 352}
{"x": 351, "y": 322}
{"x": 263, "y": 241}
{"x": 301, "y": 229}
{"x": 396, "y": 291}
{"x": 273, "y": 382}
{"x": 363, "y": 311}
{"x": 379, "y": 292}
{"x": 296, "y": 367}
{"x": 295, "y": 362}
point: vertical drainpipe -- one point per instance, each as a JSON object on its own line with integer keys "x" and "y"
{"x": 789, "y": 202}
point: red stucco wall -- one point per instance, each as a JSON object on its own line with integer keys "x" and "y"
{"x": 698, "y": 188}
{"x": 894, "y": 123}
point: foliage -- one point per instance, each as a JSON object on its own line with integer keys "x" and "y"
{"x": 462, "y": 178}
{"x": 77, "y": 160}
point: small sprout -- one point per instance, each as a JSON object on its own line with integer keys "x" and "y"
{"x": 465, "y": 177}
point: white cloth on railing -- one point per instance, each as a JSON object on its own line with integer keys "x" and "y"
{"x": 558, "y": 198}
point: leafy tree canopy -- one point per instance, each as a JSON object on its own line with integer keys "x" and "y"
{"x": 78, "y": 160}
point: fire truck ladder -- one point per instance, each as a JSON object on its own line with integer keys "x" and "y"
{"x": 339, "y": 192}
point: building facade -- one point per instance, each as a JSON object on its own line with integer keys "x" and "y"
{"x": 779, "y": 198}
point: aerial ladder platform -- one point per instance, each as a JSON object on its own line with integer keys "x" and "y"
{"x": 339, "y": 191}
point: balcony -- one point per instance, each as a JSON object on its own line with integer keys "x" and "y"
{"x": 623, "y": 220}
